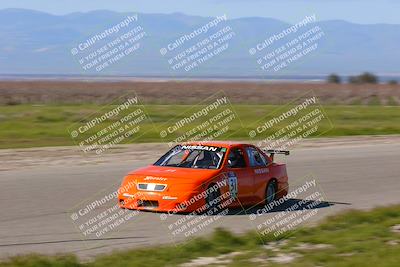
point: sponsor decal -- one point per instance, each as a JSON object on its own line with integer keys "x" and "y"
{"x": 200, "y": 147}
{"x": 169, "y": 198}
{"x": 261, "y": 171}
{"x": 147, "y": 178}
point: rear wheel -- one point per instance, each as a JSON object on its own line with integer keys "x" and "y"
{"x": 270, "y": 192}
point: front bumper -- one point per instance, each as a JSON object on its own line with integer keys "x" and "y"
{"x": 161, "y": 202}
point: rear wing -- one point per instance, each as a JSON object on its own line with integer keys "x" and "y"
{"x": 272, "y": 152}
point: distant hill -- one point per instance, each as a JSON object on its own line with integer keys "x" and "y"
{"x": 33, "y": 42}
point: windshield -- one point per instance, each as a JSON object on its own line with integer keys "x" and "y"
{"x": 193, "y": 156}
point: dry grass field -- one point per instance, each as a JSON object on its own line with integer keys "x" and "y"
{"x": 39, "y": 113}
{"x": 50, "y": 92}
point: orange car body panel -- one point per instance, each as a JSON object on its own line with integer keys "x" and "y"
{"x": 182, "y": 185}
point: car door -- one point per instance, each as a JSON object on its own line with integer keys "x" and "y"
{"x": 240, "y": 176}
{"x": 259, "y": 170}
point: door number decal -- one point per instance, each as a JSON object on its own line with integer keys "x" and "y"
{"x": 233, "y": 184}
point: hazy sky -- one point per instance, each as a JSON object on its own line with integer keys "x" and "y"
{"x": 359, "y": 11}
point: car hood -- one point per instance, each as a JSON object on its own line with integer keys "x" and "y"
{"x": 161, "y": 174}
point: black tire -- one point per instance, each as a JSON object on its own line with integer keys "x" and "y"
{"x": 270, "y": 192}
{"x": 211, "y": 204}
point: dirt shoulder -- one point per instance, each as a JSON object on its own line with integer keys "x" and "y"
{"x": 11, "y": 159}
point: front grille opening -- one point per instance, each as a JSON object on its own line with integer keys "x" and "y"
{"x": 151, "y": 187}
{"x": 148, "y": 203}
{"x": 142, "y": 186}
{"x": 159, "y": 187}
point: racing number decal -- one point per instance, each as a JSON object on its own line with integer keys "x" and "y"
{"x": 233, "y": 184}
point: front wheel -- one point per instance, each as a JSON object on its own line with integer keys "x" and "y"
{"x": 270, "y": 192}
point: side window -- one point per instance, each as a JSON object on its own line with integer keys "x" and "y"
{"x": 236, "y": 159}
{"x": 264, "y": 159}
{"x": 255, "y": 158}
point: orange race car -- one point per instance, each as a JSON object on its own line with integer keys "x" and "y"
{"x": 197, "y": 177}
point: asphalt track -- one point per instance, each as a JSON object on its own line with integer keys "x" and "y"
{"x": 36, "y": 203}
